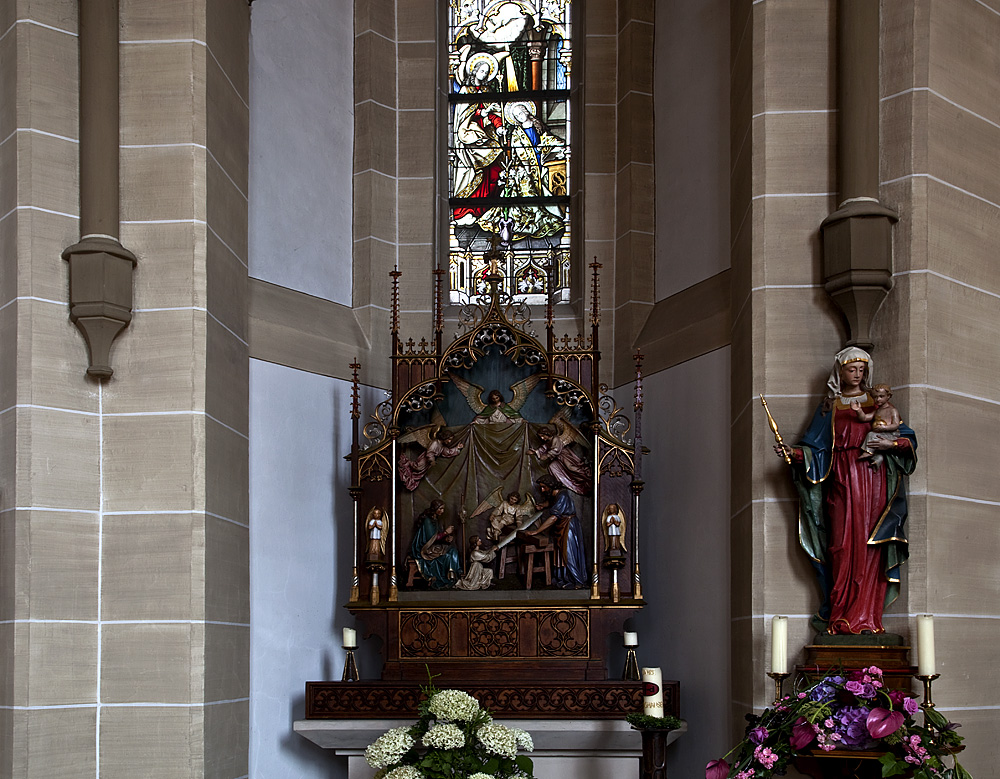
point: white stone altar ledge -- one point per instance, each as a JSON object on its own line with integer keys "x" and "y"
{"x": 579, "y": 748}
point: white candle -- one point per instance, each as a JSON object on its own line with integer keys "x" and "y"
{"x": 350, "y": 638}
{"x": 652, "y": 691}
{"x": 925, "y": 645}
{"x": 779, "y": 645}
{"x": 631, "y": 639}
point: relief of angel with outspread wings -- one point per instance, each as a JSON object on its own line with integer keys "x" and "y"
{"x": 496, "y": 409}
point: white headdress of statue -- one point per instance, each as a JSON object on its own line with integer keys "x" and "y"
{"x": 842, "y": 358}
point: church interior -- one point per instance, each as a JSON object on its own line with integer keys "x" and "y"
{"x": 222, "y": 221}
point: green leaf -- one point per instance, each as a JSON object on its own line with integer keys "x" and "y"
{"x": 935, "y": 718}
{"x": 891, "y": 765}
{"x": 524, "y": 763}
{"x": 961, "y": 773}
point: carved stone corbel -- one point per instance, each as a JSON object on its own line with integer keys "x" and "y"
{"x": 100, "y": 296}
{"x": 100, "y": 268}
{"x": 857, "y": 237}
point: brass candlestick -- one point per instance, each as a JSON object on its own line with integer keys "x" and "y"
{"x": 779, "y": 680}
{"x": 630, "y": 673}
{"x": 928, "y": 701}
{"x": 350, "y": 666}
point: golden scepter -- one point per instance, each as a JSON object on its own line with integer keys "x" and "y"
{"x": 774, "y": 429}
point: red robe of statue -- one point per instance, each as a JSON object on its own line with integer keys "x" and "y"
{"x": 855, "y": 502}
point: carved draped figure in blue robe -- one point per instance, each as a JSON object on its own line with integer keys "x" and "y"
{"x": 432, "y": 549}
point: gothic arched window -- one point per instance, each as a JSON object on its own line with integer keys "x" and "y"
{"x": 509, "y": 66}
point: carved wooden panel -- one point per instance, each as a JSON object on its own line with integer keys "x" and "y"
{"x": 564, "y": 633}
{"x": 541, "y": 700}
{"x": 493, "y": 634}
{"x": 424, "y": 634}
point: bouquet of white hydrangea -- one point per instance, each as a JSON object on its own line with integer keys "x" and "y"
{"x": 453, "y": 738}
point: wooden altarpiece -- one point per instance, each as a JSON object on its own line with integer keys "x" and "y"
{"x": 524, "y": 646}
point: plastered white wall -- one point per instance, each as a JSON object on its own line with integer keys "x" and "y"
{"x": 302, "y": 145}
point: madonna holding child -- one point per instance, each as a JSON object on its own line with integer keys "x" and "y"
{"x": 850, "y": 515}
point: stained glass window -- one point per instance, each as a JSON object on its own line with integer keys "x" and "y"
{"x": 509, "y": 66}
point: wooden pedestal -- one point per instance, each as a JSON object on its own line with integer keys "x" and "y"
{"x": 824, "y": 659}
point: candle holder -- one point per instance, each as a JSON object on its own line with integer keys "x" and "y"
{"x": 350, "y": 666}
{"x": 779, "y": 680}
{"x": 928, "y": 701}
{"x": 630, "y": 673}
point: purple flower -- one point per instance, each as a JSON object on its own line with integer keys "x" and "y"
{"x": 802, "y": 734}
{"x": 826, "y": 689}
{"x": 897, "y": 697}
{"x": 910, "y": 706}
{"x": 850, "y": 723}
{"x": 758, "y": 734}
{"x": 882, "y": 722}
{"x": 717, "y": 769}
{"x": 855, "y": 687}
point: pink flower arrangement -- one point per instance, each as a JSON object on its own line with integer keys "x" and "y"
{"x": 845, "y": 712}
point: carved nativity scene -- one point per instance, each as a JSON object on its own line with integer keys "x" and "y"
{"x": 497, "y": 518}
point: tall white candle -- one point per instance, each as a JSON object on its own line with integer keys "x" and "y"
{"x": 350, "y": 638}
{"x": 779, "y": 645}
{"x": 652, "y": 691}
{"x": 631, "y": 639}
{"x": 925, "y": 645}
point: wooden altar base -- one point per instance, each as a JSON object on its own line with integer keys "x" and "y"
{"x": 506, "y": 699}
{"x": 894, "y": 660}
{"x": 846, "y": 763}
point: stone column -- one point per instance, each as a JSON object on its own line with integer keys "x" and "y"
{"x": 124, "y": 610}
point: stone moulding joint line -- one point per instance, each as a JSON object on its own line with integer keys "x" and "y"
{"x": 226, "y": 174}
{"x": 175, "y": 413}
{"x": 793, "y": 194}
{"x": 376, "y": 33}
{"x": 103, "y": 622}
{"x": 162, "y": 221}
{"x": 155, "y": 704}
{"x": 988, "y": 8}
{"x": 785, "y": 111}
{"x": 37, "y": 24}
{"x": 747, "y": 298}
{"x": 55, "y": 706}
{"x": 33, "y": 131}
{"x": 938, "y": 95}
{"x": 158, "y": 41}
{"x": 39, "y": 407}
{"x": 928, "y": 272}
{"x": 375, "y": 102}
{"x": 12, "y": 301}
{"x": 167, "y": 512}
{"x": 218, "y": 237}
{"x": 942, "y": 182}
{"x": 49, "y": 509}
{"x": 631, "y": 92}
{"x": 202, "y": 309}
{"x": 40, "y": 209}
{"x": 950, "y": 392}
{"x": 960, "y": 498}
{"x": 100, "y": 572}
{"x": 377, "y": 172}
{"x": 226, "y": 75}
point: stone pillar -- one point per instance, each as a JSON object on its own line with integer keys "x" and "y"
{"x": 124, "y": 610}
{"x": 784, "y": 329}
